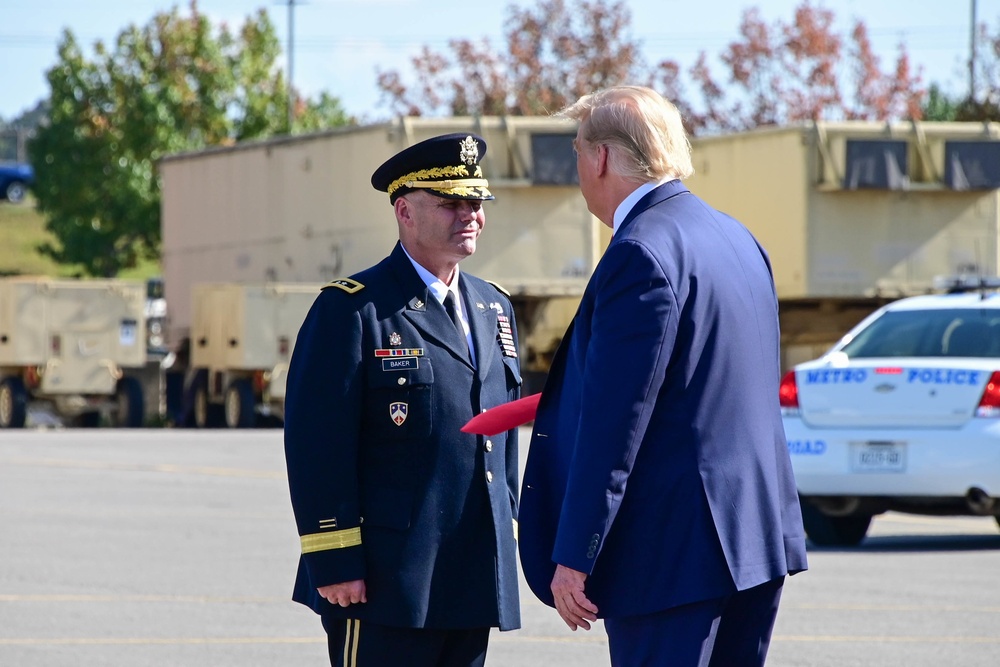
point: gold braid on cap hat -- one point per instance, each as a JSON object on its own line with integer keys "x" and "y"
{"x": 416, "y": 179}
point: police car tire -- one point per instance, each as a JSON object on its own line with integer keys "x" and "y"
{"x": 833, "y": 531}
{"x": 13, "y": 403}
{"x": 240, "y": 404}
{"x": 131, "y": 406}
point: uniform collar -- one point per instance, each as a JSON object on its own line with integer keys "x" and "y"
{"x": 434, "y": 284}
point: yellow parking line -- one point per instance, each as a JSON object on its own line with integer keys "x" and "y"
{"x": 151, "y": 467}
{"x": 881, "y": 639}
{"x": 34, "y": 597}
{"x": 893, "y": 607}
{"x": 132, "y": 641}
{"x": 577, "y": 638}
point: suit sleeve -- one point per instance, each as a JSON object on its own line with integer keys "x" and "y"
{"x": 633, "y": 329}
{"x": 322, "y": 428}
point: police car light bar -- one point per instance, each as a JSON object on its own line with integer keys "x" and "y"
{"x": 966, "y": 282}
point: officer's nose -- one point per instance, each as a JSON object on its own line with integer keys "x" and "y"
{"x": 466, "y": 211}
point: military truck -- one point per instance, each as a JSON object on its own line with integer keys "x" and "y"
{"x": 241, "y": 342}
{"x": 853, "y": 214}
{"x": 72, "y": 345}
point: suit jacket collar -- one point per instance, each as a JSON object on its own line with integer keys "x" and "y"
{"x": 653, "y": 197}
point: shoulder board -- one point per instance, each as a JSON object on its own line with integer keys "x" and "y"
{"x": 347, "y": 284}
{"x": 499, "y": 288}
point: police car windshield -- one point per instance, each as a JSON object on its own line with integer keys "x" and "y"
{"x": 929, "y": 333}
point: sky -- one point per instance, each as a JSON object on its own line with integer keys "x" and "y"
{"x": 340, "y": 44}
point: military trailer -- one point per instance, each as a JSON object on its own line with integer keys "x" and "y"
{"x": 853, "y": 215}
{"x": 242, "y": 337}
{"x": 73, "y": 345}
{"x": 857, "y": 214}
{"x": 300, "y": 210}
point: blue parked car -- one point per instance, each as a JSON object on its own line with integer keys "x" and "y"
{"x": 15, "y": 179}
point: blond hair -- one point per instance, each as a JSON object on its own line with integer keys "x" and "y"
{"x": 644, "y": 126}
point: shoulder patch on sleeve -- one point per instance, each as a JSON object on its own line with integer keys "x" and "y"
{"x": 499, "y": 288}
{"x": 347, "y": 284}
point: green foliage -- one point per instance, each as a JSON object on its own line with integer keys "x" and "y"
{"x": 173, "y": 85}
{"x": 321, "y": 114}
{"x": 938, "y": 106}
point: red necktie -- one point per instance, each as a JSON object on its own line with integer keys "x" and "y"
{"x": 504, "y": 417}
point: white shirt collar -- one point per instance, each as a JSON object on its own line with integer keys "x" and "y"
{"x": 629, "y": 202}
{"x": 440, "y": 291}
{"x": 435, "y": 284}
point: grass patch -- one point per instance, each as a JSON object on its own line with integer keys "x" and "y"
{"x": 22, "y": 230}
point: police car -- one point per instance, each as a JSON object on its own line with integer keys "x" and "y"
{"x": 902, "y": 414}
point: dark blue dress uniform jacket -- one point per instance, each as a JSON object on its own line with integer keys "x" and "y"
{"x": 658, "y": 463}
{"x": 419, "y": 510}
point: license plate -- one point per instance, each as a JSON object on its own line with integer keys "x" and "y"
{"x": 878, "y": 456}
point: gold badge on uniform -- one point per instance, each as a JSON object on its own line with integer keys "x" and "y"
{"x": 395, "y": 339}
{"x": 397, "y": 412}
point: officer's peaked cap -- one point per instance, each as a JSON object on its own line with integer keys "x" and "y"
{"x": 446, "y": 166}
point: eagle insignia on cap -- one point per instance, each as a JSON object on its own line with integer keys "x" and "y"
{"x": 470, "y": 151}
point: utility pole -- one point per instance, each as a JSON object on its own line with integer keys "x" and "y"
{"x": 291, "y": 61}
{"x": 972, "y": 53}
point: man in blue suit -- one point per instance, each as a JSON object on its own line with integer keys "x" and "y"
{"x": 406, "y": 523}
{"x": 658, "y": 492}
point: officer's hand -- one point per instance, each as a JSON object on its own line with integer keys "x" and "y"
{"x": 345, "y": 593}
{"x": 571, "y": 603}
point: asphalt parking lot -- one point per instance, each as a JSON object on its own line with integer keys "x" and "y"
{"x": 169, "y": 547}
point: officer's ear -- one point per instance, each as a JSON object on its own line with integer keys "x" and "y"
{"x": 405, "y": 212}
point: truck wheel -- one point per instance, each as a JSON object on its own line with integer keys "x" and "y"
{"x": 130, "y": 406}
{"x": 240, "y": 404}
{"x": 206, "y": 414}
{"x": 90, "y": 419}
{"x": 834, "y": 531}
{"x": 13, "y": 403}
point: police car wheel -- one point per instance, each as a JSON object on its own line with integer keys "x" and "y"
{"x": 13, "y": 403}
{"x": 833, "y": 531}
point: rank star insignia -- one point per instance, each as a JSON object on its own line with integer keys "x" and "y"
{"x": 470, "y": 151}
{"x": 397, "y": 412}
{"x": 395, "y": 339}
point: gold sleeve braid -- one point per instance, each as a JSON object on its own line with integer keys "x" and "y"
{"x": 339, "y": 539}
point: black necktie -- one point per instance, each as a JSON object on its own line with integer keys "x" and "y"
{"x": 451, "y": 307}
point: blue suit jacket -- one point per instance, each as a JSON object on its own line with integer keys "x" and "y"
{"x": 384, "y": 485}
{"x": 658, "y": 463}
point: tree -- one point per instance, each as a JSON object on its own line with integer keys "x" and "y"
{"x": 176, "y": 84}
{"x": 776, "y": 73}
{"x": 982, "y": 102}
{"x": 555, "y": 53}
{"x": 791, "y": 72}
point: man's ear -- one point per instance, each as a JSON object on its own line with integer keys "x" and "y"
{"x": 602, "y": 155}
{"x": 404, "y": 212}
